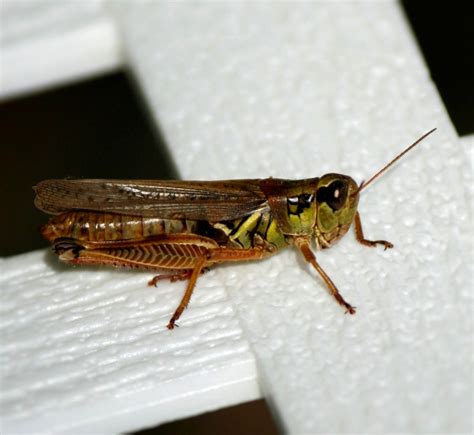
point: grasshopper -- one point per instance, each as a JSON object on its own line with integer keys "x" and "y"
{"x": 182, "y": 228}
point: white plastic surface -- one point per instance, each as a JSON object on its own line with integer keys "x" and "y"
{"x": 253, "y": 90}
{"x": 88, "y": 350}
{"x": 50, "y": 42}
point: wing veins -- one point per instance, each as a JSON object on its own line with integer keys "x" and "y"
{"x": 198, "y": 200}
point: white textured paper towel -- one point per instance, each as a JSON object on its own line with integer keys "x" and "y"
{"x": 289, "y": 90}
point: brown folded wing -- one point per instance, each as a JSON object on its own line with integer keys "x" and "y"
{"x": 168, "y": 199}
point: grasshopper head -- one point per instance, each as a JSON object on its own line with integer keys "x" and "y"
{"x": 337, "y": 197}
{"x": 336, "y": 201}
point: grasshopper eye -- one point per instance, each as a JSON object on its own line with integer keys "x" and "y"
{"x": 333, "y": 195}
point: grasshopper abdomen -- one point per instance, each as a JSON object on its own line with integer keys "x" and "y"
{"x": 103, "y": 227}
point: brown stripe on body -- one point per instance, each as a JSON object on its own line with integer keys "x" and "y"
{"x": 97, "y": 227}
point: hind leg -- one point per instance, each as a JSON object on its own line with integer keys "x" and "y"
{"x": 189, "y": 291}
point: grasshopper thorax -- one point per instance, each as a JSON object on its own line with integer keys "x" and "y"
{"x": 337, "y": 197}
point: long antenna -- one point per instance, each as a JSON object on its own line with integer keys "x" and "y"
{"x": 364, "y": 184}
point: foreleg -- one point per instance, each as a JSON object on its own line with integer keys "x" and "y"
{"x": 360, "y": 235}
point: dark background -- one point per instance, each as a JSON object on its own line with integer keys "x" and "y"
{"x": 100, "y": 129}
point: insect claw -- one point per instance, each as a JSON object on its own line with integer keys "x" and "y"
{"x": 385, "y": 244}
{"x": 171, "y": 325}
{"x": 350, "y": 309}
{"x": 374, "y": 243}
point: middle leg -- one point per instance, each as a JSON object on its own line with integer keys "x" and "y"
{"x": 303, "y": 246}
{"x": 174, "y": 275}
